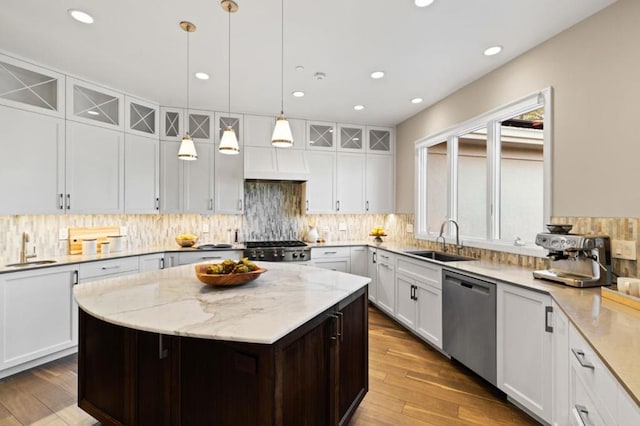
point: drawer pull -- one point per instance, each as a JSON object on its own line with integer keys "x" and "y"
{"x": 211, "y": 257}
{"x": 583, "y": 413}
{"x": 106, "y": 268}
{"x": 330, "y": 252}
{"x": 580, "y": 356}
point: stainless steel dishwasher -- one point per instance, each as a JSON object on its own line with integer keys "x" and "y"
{"x": 469, "y": 322}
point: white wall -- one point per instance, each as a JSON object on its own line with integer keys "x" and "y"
{"x": 594, "y": 68}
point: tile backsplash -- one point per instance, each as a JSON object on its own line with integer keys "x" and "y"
{"x": 274, "y": 211}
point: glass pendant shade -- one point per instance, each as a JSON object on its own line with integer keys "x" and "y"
{"x": 282, "y": 137}
{"x": 229, "y": 142}
{"x": 187, "y": 149}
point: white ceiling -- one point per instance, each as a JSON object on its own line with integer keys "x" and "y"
{"x": 137, "y": 46}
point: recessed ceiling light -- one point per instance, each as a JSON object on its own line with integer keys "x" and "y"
{"x": 202, "y": 76}
{"x": 377, "y": 74}
{"x": 299, "y": 68}
{"x": 416, "y": 100}
{"x": 358, "y": 107}
{"x": 423, "y": 3}
{"x": 81, "y": 16}
{"x": 493, "y": 50}
{"x": 298, "y": 94}
{"x": 92, "y": 112}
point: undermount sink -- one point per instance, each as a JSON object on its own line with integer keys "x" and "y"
{"x": 440, "y": 256}
{"x": 33, "y": 263}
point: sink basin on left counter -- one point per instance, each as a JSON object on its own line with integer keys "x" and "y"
{"x": 33, "y": 263}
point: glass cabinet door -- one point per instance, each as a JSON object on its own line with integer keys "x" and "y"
{"x": 380, "y": 140}
{"x": 321, "y": 135}
{"x": 351, "y": 138}
{"x": 32, "y": 88}
{"x": 96, "y": 105}
{"x": 171, "y": 124}
{"x": 200, "y": 125}
{"x": 141, "y": 117}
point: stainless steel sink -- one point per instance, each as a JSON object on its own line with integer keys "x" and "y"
{"x": 34, "y": 263}
{"x": 438, "y": 255}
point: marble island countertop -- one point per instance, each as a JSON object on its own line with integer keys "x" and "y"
{"x": 174, "y": 302}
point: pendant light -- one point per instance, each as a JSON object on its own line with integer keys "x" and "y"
{"x": 282, "y": 137}
{"x": 229, "y": 141}
{"x": 187, "y": 149}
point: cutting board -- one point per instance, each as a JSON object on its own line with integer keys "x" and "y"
{"x": 616, "y": 296}
{"x": 76, "y": 235}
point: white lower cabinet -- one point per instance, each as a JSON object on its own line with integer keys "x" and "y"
{"x": 91, "y": 271}
{"x": 334, "y": 258}
{"x": 151, "y": 262}
{"x": 419, "y": 298}
{"x": 211, "y": 256}
{"x": 39, "y": 320}
{"x": 359, "y": 260}
{"x": 372, "y": 272}
{"x": 385, "y": 297}
{"x": 524, "y": 348}
{"x": 560, "y": 367}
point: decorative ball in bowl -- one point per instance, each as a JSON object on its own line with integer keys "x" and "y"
{"x": 226, "y": 280}
{"x": 186, "y": 240}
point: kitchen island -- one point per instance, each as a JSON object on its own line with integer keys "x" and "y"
{"x": 162, "y": 348}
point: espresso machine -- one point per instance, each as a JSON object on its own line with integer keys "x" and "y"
{"x": 576, "y": 260}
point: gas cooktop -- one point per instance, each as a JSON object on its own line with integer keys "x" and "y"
{"x": 268, "y": 244}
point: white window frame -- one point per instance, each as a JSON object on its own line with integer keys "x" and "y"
{"x": 491, "y": 121}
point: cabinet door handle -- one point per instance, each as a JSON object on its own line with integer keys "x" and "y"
{"x": 210, "y": 203}
{"x": 579, "y": 354}
{"x": 61, "y": 202}
{"x": 162, "y": 263}
{"x": 340, "y": 325}
{"x": 239, "y": 205}
{"x": 583, "y": 413}
{"x": 411, "y": 294}
{"x": 548, "y": 310}
{"x": 106, "y": 268}
{"x": 385, "y": 265}
{"x": 75, "y": 277}
{"x": 335, "y": 332}
{"x": 307, "y": 205}
{"x": 162, "y": 351}
{"x": 367, "y": 205}
{"x": 374, "y": 256}
{"x": 157, "y": 203}
{"x": 338, "y": 205}
{"x": 68, "y": 201}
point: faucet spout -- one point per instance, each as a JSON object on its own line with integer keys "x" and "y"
{"x": 23, "y": 249}
{"x": 458, "y": 246}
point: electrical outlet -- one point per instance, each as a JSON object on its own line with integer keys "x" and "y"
{"x": 621, "y": 249}
{"x": 342, "y": 226}
{"x": 410, "y": 228}
{"x": 63, "y": 234}
{"x": 123, "y": 230}
{"x": 205, "y": 228}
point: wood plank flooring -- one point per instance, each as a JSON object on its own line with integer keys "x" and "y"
{"x": 410, "y": 383}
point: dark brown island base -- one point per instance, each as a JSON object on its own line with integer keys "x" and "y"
{"x": 316, "y": 374}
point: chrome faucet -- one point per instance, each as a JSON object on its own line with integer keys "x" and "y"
{"x": 458, "y": 246}
{"x": 24, "y": 257}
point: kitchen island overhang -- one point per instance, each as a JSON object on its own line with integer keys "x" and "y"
{"x": 162, "y": 348}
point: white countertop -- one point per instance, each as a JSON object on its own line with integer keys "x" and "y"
{"x": 174, "y": 302}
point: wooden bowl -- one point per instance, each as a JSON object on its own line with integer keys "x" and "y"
{"x": 186, "y": 242}
{"x": 226, "y": 280}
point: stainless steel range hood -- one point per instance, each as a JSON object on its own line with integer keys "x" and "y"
{"x": 275, "y": 164}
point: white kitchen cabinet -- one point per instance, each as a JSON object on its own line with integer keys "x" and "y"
{"x": 385, "y": 298}
{"x": 321, "y": 135}
{"x": 359, "y": 260}
{"x": 229, "y": 170}
{"x": 320, "y": 188}
{"x": 109, "y": 268}
{"x": 211, "y": 256}
{"x": 199, "y": 180}
{"x": 94, "y": 169}
{"x": 141, "y": 174}
{"x": 372, "y": 272}
{"x": 95, "y": 105}
{"x": 419, "y": 298}
{"x": 31, "y": 88}
{"x": 380, "y": 140}
{"x": 141, "y": 117}
{"x": 350, "y": 183}
{"x": 151, "y": 262}
{"x": 334, "y": 258}
{"x": 201, "y": 125}
{"x": 628, "y": 409}
{"x": 32, "y": 171}
{"x": 524, "y": 348}
{"x": 171, "y": 124}
{"x": 380, "y": 184}
{"x": 560, "y": 367}
{"x": 39, "y": 319}
{"x": 171, "y": 177}
{"x": 299, "y": 133}
{"x": 258, "y": 130}
{"x": 351, "y": 138}
{"x": 259, "y": 162}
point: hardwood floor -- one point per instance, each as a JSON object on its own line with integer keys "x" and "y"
{"x": 409, "y": 384}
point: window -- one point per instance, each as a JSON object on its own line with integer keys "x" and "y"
{"x": 491, "y": 174}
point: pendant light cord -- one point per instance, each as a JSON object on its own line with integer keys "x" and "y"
{"x": 188, "y": 70}
{"x": 229, "y": 95}
{"x": 282, "y": 57}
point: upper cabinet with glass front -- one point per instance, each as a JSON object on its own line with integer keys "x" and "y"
{"x": 32, "y": 88}
{"x": 141, "y": 117}
{"x": 351, "y": 138}
{"x": 171, "y": 123}
{"x": 96, "y": 105}
{"x": 380, "y": 140}
{"x": 321, "y": 135}
{"x": 200, "y": 125}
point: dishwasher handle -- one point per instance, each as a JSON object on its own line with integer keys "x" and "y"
{"x": 470, "y": 285}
